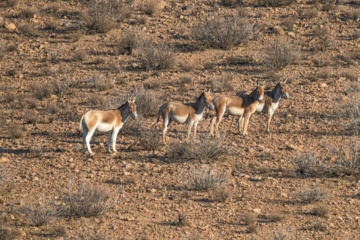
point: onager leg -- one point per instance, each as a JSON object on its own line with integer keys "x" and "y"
{"x": 219, "y": 116}
{"x": 241, "y": 124}
{"x": 109, "y": 142}
{"x": 212, "y": 123}
{"x": 88, "y": 138}
{"x": 269, "y": 115}
{"x": 246, "y": 117}
{"x": 166, "y": 123}
{"x": 195, "y": 126}
{"x": 114, "y": 135}
{"x": 190, "y": 125}
{"x": 84, "y": 137}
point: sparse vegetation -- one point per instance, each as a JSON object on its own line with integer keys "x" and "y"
{"x": 204, "y": 177}
{"x": 127, "y": 43}
{"x": 29, "y": 12}
{"x": 305, "y": 163}
{"x": 39, "y": 214}
{"x": 225, "y": 32}
{"x": 205, "y": 149}
{"x": 101, "y": 83}
{"x": 149, "y": 7}
{"x": 16, "y": 131}
{"x": 147, "y": 102}
{"x": 321, "y": 210}
{"x": 280, "y": 53}
{"x": 150, "y": 139}
{"x": 221, "y": 195}
{"x": 223, "y": 83}
{"x": 30, "y": 116}
{"x": 85, "y": 200}
{"x": 275, "y": 3}
{"x": 42, "y": 91}
{"x": 314, "y": 194}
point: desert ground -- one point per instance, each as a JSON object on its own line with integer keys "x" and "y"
{"x": 62, "y": 58}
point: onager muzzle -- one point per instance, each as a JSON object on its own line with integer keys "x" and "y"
{"x": 134, "y": 115}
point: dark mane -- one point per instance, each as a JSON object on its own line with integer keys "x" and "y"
{"x": 200, "y": 97}
{"x": 256, "y": 90}
{"x": 122, "y": 106}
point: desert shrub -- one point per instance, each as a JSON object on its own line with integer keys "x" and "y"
{"x": 323, "y": 38}
{"x": 127, "y": 43}
{"x": 29, "y": 30}
{"x": 149, "y": 7}
{"x": 204, "y": 149}
{"x": 98, "y": 61}
{"x": 276, "y": 216}
{"x": 80, "y": 56}
{"x": 31, "y": 103}
{"x": 63, "y": 85}
{"x": 133, "y": 127}
{"x": 232, "y": 3}
{"x": 352, "y": 75}
{"x": 308, "y": 13}
{"x": 101, "y": 83}
{"x": 53, "y": 108}
{"x": 9, "y": 97}
{"x": 280, "y": 53}
{"x": 147, "y": 101}
{"x": 186, "y": 79}
{"x": 3, "y": 49}
{"x": 314, "y": 194}
{"x": 7, "y": 234}
{"x": 248, "y": 218}
{"x": 155, "y": 56}
{"x": 347, "y": 159}
{"x": 204, "y": 177}
{"x": 321, "y": 210}
{"x": 220, "y": 195}
{"x": 77, "y": 35}
{"x": 39, "y": 214}
{"x": 349, "y": 109}
{"x": 101, "y": 16}
{"x": 209, "y": 65}
{"x": 30, "y": 116}
{"x": 275, "y": 3}
{"x": 225, "y": 32}
{"x": 54, "y": 54}
{"x": 317, "y": 226}
{"x": 13, "y": 3}
{"x": 182, "y": 220}
{"x": 98, "y": 100}
{"x": 304, "y": 163}
{"x": 42, "y": 91}
{"x": 16, "y": 131}
{"x": 223, "y": 83}
{"x": 50, "y": 25}
{"x": 85, "y": 200}
{"x": 150, "y": 139}
{"x": 353, "y": 14}
{"x": 187, "y": 66}
{"x": 29, "y": 12}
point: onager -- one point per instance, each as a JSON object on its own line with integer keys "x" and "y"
{"x": 271, "y": 101}
{"x": 190, "y": 113}
{"x": 237, "y": 106}
{"x": 105, "y": 121}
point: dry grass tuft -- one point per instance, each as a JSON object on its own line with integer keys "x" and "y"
{"x": 317, "y": 226}
{"x": 127, "y": 43}
{"x": 275, "y": 3}
{"x": 304, "y": 163}
{"x": 85, "y": 200}
{"x": 225, "y": 32}
{"x": 280, "y": 53}
{"x": 204, "y": 178}
{"x": 29, "y": 12}
{"x": 39, "y": 214}
{"x": 205, "y": 149}
{"x": 248, "y": 218}
{"x": 7, "y": 234}
{"x": 80, "y": 56}
{"x": 147, "y": 101}
{"x": 155, "y": 56}
{"x": 101, "y": 83}
{"x": 150, "y": 7}
{"x": 29, "y": 30}
{"x": 98, "y": 100}
{"x": 323, "y": 38}
{"x": 42, "y": 91}
{"x": 223, "y": 83}
{"x": 276, "y": 216}
{"x": 182, "y": 220}
{"x": 221, "y": 195}
{"x": 30, "y": 116}
{"x": 150, "y": 139}
{"x": 352, "y": 75}
{"x": 16, "y": 131}
{"x": 314, "y": 194}
{"x": 232, "y": 3}
{"x": 321, "y": 210}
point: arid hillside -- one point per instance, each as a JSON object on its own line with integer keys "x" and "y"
{"x": 62, "y": 58}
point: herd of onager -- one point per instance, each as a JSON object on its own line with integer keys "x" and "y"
{"x": 243, "y": 105}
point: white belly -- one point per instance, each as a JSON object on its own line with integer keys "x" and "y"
{"x": 235, "y": 111}
{"x": 104, "y": 127}
{"x": 260, "y": 107}
{"x": 273, "y": 107}
{"x": 197, "y": 117}
{"x": 179, "y": 119}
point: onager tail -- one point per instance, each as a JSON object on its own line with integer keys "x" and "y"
{"x": 158, "y": 117}
{"x": 81, "y": 121}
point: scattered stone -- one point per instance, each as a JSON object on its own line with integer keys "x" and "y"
{"x": 10, "y": 27}
{"x": 257, "y": 210}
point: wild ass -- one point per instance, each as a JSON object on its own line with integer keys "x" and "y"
{"x": 190, "y": 113}
{"x": 237, "y": 106}
{"x": 105, "y": 121}
{"x": 271, "y": 101}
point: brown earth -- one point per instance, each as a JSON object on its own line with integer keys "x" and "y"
{"x": 148, "y": 193}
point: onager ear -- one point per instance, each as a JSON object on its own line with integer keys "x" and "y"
{"x": 204, "y": 89}
{"x": 281, "y": 79}
{"x": 134, "y": 99}
{"x": 209, "y": 90}
{"x": 129, "y": 99}
{"x": 285, "y": 80}
{"x": 257, "y": 83}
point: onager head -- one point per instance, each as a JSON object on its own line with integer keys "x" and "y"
{"x": 283, "y": 89}
{"x": 131, "y": 108}
{"x": 208, "y": 99}
{"x": 260, "y": 90}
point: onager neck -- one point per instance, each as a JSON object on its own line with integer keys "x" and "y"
{"x": 275, "y": 94}
{"x": 124, "y": 113}
{"x": 199, "y": 105}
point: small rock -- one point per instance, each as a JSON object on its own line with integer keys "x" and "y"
{"x": 257, "y": 210}
{"x": 284, "y": 195}
{"x": 323, "y": 85}
{"x": 279, "y": 31}
{"x": 10, "y": 27}
{"x": 292, "y": 34}
{"x": 4, "y": 159}
{"x": 153, "y": 190}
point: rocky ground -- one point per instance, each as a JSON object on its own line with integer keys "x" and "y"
{"x": 300, "y": 182}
